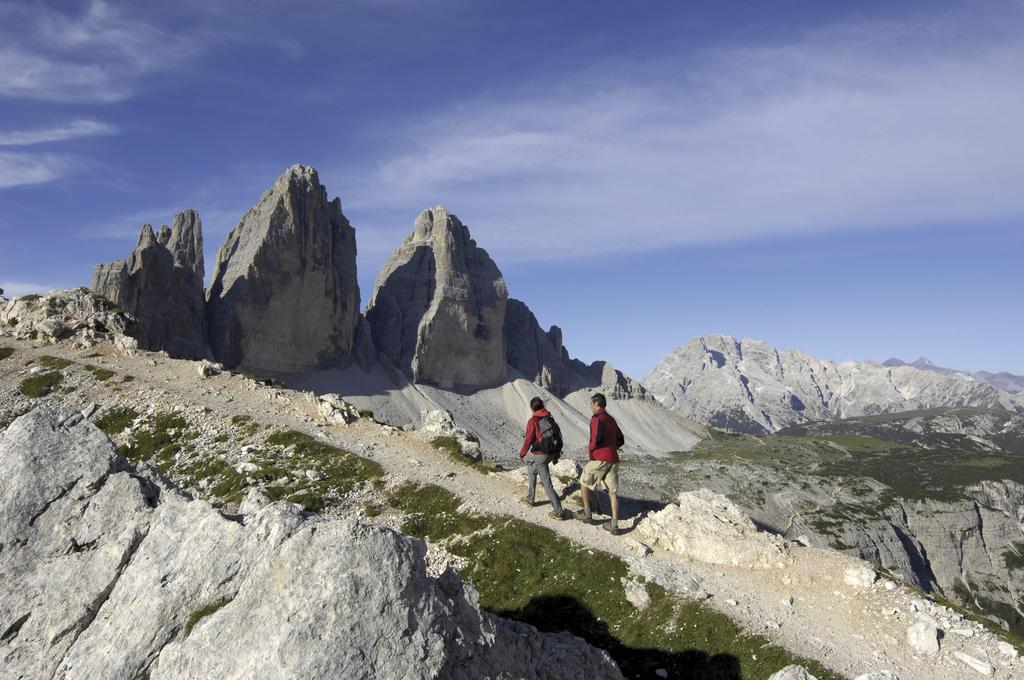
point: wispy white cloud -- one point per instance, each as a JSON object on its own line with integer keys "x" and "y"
{"x": 95, "y": 55}
{"x": 71, "y": 130}
{"x": 20, "y": 169}
{"x": 877, "y": 126}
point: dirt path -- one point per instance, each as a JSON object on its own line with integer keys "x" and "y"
{"x": 805, "y": 607}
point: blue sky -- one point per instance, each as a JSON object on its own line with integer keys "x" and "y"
{"x": 843, "y": 178}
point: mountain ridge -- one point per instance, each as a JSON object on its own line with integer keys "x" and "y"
{"x": 750, "y": 386}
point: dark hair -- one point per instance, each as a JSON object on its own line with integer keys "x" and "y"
{"x": 599, "y": 400}
{"x": 536, "y": 404}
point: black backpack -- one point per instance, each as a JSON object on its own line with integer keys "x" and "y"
{"x": 550, "y": 438}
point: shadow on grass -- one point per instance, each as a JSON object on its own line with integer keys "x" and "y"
{"x": 556, "y": 613}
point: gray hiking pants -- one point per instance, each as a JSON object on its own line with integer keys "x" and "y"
{"x": 537, "y": 466}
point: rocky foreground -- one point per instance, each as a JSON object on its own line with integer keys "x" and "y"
{"x": 111, "y": 572}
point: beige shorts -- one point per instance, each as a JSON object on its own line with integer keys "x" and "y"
{"x": 597, "y": 471}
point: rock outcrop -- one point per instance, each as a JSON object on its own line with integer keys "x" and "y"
{"x": 75, "y": 315}
{"x": 161, "y": 286}
{"x": 438, "y": 307}
{"x": 440, "y": 423}
{"x": 749, "y": 386}
{"x": 284, "y": 296}
{"x": 707, "y": 527}
{"x": 540, "y": 357}
{"x": 108, "y": 572}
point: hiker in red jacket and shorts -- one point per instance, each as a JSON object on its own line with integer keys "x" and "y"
{"x": 603, "y": 467}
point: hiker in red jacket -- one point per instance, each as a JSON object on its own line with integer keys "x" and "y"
{"x": 538, "y": 451}
{"x": 603, "y": 467}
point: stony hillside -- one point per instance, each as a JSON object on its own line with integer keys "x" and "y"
{"x": 749, "y": 386}
{"x": 693, "y": 590}
{"x": 935, "y": 496}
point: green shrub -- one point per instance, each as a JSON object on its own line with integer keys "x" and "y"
{"x": 101, "y": 374}
{"x": 160, "y": 443}
{"x": 40, "y": 384}
{"x": 116, "y": 420}
{"x": 6, "y": 352}
{"x": 54, "y": 363}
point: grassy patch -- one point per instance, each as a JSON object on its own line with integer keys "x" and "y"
{"x": 31, "y": 297}
{"x": 6, "y": 352}
{"x": 338, "y": 471}
{"x": 128, "y": 378}
{"x": 116, "y": 420}
{"x": 198, "y": 615}
{"x": 529, "y": 573}
{"x": 40, "y": 384}
{"x": 451, "y": 446}
{"x": 245, "y": 425}
{"x": 160, "y": 443}
{"x": 101, "y": 374}
{"x": 332, "y": 472}
{"x": 54, "y": 363}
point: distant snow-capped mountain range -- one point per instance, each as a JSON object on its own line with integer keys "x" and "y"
{"x": 749, "y": 386}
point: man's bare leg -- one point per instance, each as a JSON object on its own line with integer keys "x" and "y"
{"x": 615, "y": 509}
{"x": 587, "y": 513}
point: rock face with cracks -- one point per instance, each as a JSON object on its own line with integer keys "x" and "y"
{"x": 161, "y": 285}
{"x": 284, "y": 296}
{"x": 111, "y": 573}
{"x": 709, "y": 528}
{"x": 439, "y": 306}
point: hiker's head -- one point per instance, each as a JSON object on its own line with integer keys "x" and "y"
{"x": 536, "y": 404}
{"x": 598, "y": 402}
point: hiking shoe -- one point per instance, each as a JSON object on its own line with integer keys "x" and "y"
{"x": 556, "y": 515}
{"x": 582, "y": 516}
{"x": 607, "y": 526}
{"x": 527, "y": 502}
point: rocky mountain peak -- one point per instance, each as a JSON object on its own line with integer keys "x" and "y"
{"x": 438, "y": 307}
{"x": 161, "y": 285}
{"x": 284, "y": 295}
{"x": 146, "y": 237}
{"x": 185, "y": 241}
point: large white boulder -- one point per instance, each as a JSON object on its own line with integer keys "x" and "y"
{"x": 440, "y": 423}
{"x": 793, "y": 673}
{"x": 708, "y": 527}
{"x": 923, "y": 638}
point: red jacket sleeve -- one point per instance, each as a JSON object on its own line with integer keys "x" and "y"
{"x": 594, "y": 424}
{"x": 531, "y": 436}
